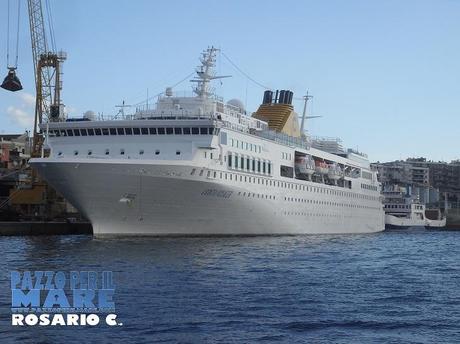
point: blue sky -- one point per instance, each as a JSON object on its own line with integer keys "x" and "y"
{"x": 385, "y": 75}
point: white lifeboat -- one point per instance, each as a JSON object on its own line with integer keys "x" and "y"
{"x": 334, "y": 172}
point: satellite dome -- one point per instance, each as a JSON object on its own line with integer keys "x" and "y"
{"x": 89, "y": 115}
{"x": 236, "y": 103}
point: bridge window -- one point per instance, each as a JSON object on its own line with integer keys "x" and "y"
{"x": 83, "y": 132}
{"x": 186, "y": 131}
{"x": 105, "y": 131}
{"x": 153, "y": 131}
{"x": 136, "y": 131}
{"x": 161, "y": 131}
{"x": 204, "y": 131}
{"x": 76, "y": 132}
{"x": 145, "y": 131}
{"x": 195, "y": 131}
{"x": 91, "y": 132}
{"x": 169, "y": 131}
{"x": 113, "y": 131}
{"x": 178, "y": 131}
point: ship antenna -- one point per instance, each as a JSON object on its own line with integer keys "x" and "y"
{"x": 205, "y": 73}
{"x": 306, "y": 98}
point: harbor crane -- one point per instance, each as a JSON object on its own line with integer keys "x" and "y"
{"x": 47, "y": 63}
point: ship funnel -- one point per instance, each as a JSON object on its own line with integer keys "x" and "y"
{"x": 11, "y": 81}
{"x": 268, "y": 96}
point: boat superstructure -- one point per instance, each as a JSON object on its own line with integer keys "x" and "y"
{"x": 404, "y": 211}
{"x": 195, "y": 165}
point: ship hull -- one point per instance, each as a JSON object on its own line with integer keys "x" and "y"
{"x": 121, "y": 198}
{"x": 394, "y": 222}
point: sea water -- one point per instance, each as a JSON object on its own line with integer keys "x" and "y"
{"x": 389, "y": 287}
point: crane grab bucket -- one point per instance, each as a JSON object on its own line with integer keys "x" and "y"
{"x": 11, "y": 81}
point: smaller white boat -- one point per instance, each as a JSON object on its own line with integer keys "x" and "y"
{"x": 405, "y": 212}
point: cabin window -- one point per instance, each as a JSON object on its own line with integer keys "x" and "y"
{"x": 178, "y": 152}
{"x": 76, "y": 132}
{"x": 186, "y": 131}
{"x": 97, "y": 131}
{"x": 120, "y": 131}
{"x": 136, "y": 131}
{"x": 161, "y": 131}
{"x": 269, "y": 168}
{"x": 169, "y": 131}
{"x": 195, "y": 131}
{"x": 145, "y": 131}
{"x": 129, "y": 131}
{"x": 178, "y": 131}
{"x": 286, "y": 171}
{"x": 248, "y": 165}
{"x": 91, "y": 132}
{"x": 83, "y": 132}
{"x": 236, "y": 162}
{"x": 253, "y": 165}
{"x": 258, "y": 166}
{"x": 242, "y": 162}
{"x": 113, "y": 131}
{"x": 153, "y": 131}
{"x": 263, "y": 167}
{"x": 141, "y": 152}
{"x": 229, "y": 160}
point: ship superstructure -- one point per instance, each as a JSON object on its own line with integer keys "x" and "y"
{"x": 195, "y": 165}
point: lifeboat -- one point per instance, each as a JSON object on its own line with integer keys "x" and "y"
{"x": 321, "y": 167}
{"x": 304, "y": 166}
{"x": 334, "y": 172}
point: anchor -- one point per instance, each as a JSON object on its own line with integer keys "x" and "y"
{"x": 11, "y": 81}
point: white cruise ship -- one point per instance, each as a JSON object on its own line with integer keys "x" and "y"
{"x": 199, "y": 166}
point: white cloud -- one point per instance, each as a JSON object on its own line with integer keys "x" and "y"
{"x": 20, "y": 116}
{"x": 27, "y": 99}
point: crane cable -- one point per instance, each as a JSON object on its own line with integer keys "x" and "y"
{"x": 8, "y": 37}
{"x": 245, "y": 74}
{"x": 50, "y": 25}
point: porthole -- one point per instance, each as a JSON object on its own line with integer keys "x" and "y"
{"x": 178, "y": 152}
{"x": 157, "y": 152}
{"x": 107, "y": 151}
{"x": 90, "y": 152}
{"x": 141, "y": 152}
{"x": 75, "y": 153}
